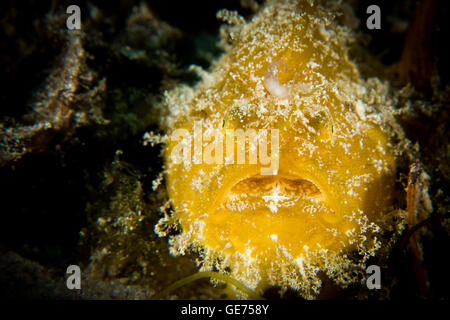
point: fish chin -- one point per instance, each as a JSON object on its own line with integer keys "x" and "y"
{"x": 263, "y": 213}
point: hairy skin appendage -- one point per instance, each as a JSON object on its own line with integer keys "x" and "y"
{"x": 325, "y": 211}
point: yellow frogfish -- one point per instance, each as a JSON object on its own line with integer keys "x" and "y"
{"x": 280, "y": 162}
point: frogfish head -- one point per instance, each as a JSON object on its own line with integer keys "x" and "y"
{"x": 277, "y": 170}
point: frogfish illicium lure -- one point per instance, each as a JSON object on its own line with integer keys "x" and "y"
{"x": 281, "y": 161}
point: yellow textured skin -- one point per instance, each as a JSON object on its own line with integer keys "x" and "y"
{"x": 336, "y": 165}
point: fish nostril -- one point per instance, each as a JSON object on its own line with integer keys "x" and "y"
{"x": 293, "y": 187}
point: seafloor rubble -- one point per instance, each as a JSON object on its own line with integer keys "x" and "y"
{"x": 80, "y": 136}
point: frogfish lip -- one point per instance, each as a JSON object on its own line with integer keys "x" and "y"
{"x": 268, "y": 191}
{"x": 289, "y": 185}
